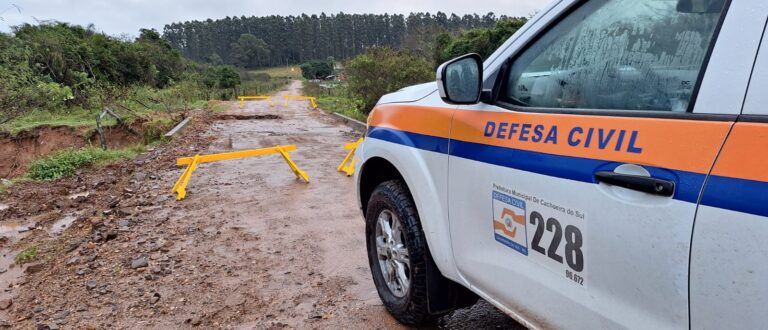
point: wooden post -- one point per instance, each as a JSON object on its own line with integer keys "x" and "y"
{"x": 102, "y": 139}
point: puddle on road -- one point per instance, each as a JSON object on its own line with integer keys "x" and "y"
{"x": 8, "y": 267}
{"x": 10, "y": 274}
{"x": 13, "y": 229}
{"x": 60, "y": 225}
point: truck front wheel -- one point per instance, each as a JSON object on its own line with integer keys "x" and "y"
{"x": 398, "y": 253}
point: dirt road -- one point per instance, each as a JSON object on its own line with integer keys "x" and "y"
{"x": 251, "y": 247}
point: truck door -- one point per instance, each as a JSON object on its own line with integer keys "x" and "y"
{"x": 572, "y": 196}
{"x": 728, "y": 251}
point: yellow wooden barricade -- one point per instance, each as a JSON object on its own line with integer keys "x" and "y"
{"x": 181, "y": 185}
{"x": 311, "y": 100}
{"x": 192, "y": 162}
{"x": 348, "y": 164}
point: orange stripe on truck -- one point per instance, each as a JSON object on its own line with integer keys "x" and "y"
{"x": 416, "y": 119}
{"x": 643, "y": 141}
{"x": 745, "y": 156}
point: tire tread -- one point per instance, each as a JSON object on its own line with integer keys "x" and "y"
{"x": 413, "y": 308}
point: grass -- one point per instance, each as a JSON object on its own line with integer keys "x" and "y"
{"x": 335, "y": 97}
{"x": 293, "y": 72}
{"x": 77, "y": 117}
{"x": 156, "y": 122}
{"x": 217, "y": 106}
{"x": 343, "y": 105}
{"x": 27, "y": 255}
{"x": 133, "y": 102}
{"x": 199, "y": 104}
{"x": 65, "y": 162}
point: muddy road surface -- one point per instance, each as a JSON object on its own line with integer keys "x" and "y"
{"x": 251, "y": 247}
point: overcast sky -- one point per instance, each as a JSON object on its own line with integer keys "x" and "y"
{"x": 128, "y": 16}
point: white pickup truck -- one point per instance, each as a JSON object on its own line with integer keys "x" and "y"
{"x": 606, "y": 167}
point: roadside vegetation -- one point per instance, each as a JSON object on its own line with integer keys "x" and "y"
{"x": 334, "y": 96}
{"x": 65, "y": 162}
{"x": 56, "y": 67}
{"x": 382, "y": 70}
{"x": 378, "y": 71}
{"x": 317, "y": 69}
{"x": 483, "y": 41}
{"x": 61, "y": 74}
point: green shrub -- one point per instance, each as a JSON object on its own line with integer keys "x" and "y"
{"x": 78, "y": 57}
{"x": 382, "y": 70}
{"x": 221, "y": 76}
{"x": 65, "y": 162}
{"x": 228, "y": 77}
{"x": 56, "y": 67}
{"x": 346, "y": 106}
{"x": 19, "y": 83}
{"x": 335, "y": 97}
{"x": 480, "y": 40}
{"x": 317, "y": 69}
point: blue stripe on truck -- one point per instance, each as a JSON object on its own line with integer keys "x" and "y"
{"x": 727, "y": 193}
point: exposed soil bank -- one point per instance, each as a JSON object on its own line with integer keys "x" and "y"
{"x": 17, "y": 152}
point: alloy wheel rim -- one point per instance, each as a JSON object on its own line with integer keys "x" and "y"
{"x": 393, "y": 255}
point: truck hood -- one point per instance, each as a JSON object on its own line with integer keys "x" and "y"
{"x": 410, "y": 93}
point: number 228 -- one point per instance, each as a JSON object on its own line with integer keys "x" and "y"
{"x": 574, "y": 257}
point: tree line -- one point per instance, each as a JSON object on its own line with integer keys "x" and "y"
{"x": 282, "y": 40}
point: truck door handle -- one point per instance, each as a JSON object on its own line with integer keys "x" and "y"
{"x": 644, "y": 184}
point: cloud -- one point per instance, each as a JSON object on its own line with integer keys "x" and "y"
{"x": 128, "y": 16}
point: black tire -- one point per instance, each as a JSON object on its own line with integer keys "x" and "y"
{"x": 412, "y": 308}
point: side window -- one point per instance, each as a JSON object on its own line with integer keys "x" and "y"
{"x": 619, "y": 55}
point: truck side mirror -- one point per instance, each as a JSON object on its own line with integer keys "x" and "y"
{"x": 460, "y": 80}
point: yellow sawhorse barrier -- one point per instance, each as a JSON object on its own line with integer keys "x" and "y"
{"x": 348, "y": 164}
{"x": 181, "y": 185}
{"x": 312, "y": 100}
{"x": 192, "y": 162}
{"x": 243, "y": 98}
